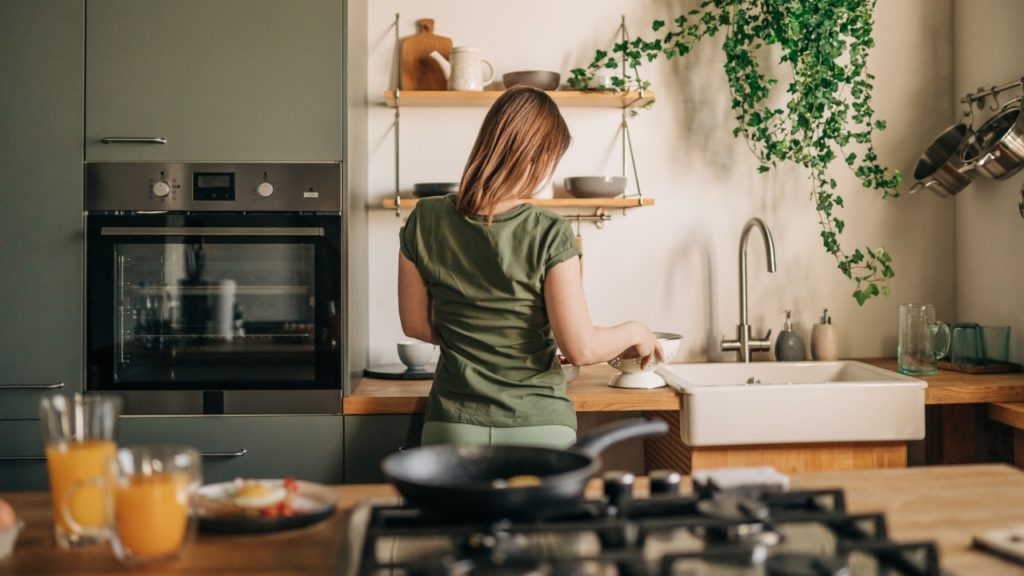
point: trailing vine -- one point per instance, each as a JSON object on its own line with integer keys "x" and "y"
{"x": 828, "y": 113}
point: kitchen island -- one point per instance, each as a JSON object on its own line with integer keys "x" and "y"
{"x": 945, "y": 504}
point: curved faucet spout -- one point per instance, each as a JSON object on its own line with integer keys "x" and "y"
{"x": 769, "y": 247}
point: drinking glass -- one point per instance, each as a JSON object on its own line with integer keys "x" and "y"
{"x": 997, "y": 343}
{"x": 79, "y": 432}
{"x": 967, "y": 348}
{"x": 918, "y": 353}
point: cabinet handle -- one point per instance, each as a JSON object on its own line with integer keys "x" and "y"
{"x": 132, "y": 140}
{"x": 56, "y": 386}
{"x": 235, "y": 454}
{"x": 21, "y": 458}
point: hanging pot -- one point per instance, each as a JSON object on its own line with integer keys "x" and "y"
{"x": 996, "y": 150}
{"x": 941, "y": 168}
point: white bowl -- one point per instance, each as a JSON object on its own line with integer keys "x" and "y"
{"x": 635, "y": 376}
{"x": 8, "y": 537}
{"x": 415, "y": 354}
{"x": 571, "y": 372}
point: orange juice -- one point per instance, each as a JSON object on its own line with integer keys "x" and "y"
{"x": 152, "y": 513}
{"x": 73, "y": 462}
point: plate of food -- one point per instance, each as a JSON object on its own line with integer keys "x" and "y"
{"x": 269, "y": 505}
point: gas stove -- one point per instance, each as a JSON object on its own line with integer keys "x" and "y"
{"x": 798, "y": 533}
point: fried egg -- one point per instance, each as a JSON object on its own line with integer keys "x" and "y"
{"x": 256, "y": 495}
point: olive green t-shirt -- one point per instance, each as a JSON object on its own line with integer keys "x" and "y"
{"x": 486, "y": 281}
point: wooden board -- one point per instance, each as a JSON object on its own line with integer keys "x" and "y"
{"x": 948, "y": 387}
{"x": 465, "y": 99}
{"x": 990, "y": 368}
{"x": 419, "y": 70}
{"x": 632, "y": 202}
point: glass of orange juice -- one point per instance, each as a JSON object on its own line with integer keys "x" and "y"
{"x": 79, "y": 434}
{"x": 154, "y": 494}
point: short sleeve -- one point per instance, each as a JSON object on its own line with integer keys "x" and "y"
{"x": 407, "y": 237}
{"x": 562, "y": 245}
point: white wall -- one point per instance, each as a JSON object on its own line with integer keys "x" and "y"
{"x": 674, "y": 265}
{"x": 989, "y": 228}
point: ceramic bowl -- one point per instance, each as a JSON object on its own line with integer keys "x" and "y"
{"x": 415, "y": 354}
{"x": 8, "y": 536}
{"x": 633, "y": 376}
{"x": 595, "y": 186}
{"x": 539, "y": 79}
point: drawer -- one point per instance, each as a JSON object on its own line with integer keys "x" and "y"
{"x": 368, "y": 439}
{"x": 22, "y": 457}
{"x": 21, "y": 401}
{"x": 305, "y": 447}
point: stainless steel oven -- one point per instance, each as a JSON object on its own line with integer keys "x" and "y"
{"x": 215, "y": 288}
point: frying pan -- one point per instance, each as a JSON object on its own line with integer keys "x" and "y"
{"x": 469, "y": 480}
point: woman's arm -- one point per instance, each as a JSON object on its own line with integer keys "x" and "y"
{"x": 414, "y": 303}
{"x": 581, "y": 342}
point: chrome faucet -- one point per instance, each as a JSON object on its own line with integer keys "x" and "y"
{"x": 744, "y": 344}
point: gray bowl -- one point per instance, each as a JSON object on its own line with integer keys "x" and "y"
{"x": 595, "y": 186}
{"x": 540, "y": 79}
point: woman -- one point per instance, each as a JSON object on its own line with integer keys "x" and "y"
{"x": 489, "y": 277}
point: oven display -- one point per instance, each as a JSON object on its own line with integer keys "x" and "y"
{"x": 213, "y": 186}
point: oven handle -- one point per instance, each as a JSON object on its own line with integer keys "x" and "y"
{"x": 132, "y": 140}
{"x": 235, "y": 454}
{"x": 56, "y": 386}
{"x": 208, "y": 231}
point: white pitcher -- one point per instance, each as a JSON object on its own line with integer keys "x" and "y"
{"x": 464, "y": 72}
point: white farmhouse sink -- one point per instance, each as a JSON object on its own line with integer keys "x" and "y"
{"x": 795, "y": 402}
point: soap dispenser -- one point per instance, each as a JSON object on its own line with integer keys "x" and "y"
{"x": 823, "y": 339}
{"x": 789, "y": 346}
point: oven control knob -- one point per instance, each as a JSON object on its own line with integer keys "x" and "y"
{"x": 161, "y": 189}
{"x": 265, "y": 189}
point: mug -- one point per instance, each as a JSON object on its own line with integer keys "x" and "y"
{"x": 152, "y": 492}
{"x": 918, "y": 353}
{"x": 79, "y": 432}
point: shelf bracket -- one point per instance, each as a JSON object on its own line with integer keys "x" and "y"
{"x": 599, "y": 217}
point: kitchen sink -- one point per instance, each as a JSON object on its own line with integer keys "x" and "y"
{"x": 731, "y": 404}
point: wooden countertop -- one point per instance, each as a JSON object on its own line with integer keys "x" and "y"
{"x": 591, "y": 392}
{"x": 945, "y": 504}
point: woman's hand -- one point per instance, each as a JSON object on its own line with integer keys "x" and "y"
{"x": 647, "y": 348}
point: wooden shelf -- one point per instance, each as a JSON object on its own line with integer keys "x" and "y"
{"x": 566, "y": 98}
{"x": 558, "y": 202}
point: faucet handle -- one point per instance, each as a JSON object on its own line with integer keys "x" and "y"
{"x": 768, "y": 336}
{"x": 730, "y": 345}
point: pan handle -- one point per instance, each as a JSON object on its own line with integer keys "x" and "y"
{"x": 614, "y": 432}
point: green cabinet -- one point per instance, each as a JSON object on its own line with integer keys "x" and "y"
{"x": 22, "y": 457}
{"x": 304, "y": 447}
{"x": 41, "y": 232}
{"x": 368, "y": 439}
{"x": 231, "y": 80}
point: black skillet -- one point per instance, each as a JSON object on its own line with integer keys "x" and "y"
{"x": 471, "y": 481}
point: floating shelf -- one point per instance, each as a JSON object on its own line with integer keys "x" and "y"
{"x": 634, "y": 202}
{"x": 566, "y": 98}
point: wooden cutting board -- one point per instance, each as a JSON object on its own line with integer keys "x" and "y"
{"x": 419, "y": 70}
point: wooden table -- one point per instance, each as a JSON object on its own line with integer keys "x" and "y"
{"x": 945, "y": 504}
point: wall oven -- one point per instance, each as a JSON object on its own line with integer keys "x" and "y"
{"x": 215, "y": 288}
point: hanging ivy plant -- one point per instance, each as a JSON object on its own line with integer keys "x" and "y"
{"x": 827, "y": 115}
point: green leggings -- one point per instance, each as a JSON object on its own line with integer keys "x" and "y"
{"x": 553, "y": 436}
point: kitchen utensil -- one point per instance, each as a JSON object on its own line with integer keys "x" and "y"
{"x": 997, "y": 343}
{"x": 79, "y": 433}
{"x": 428, "y": 189}
{"x": 595, "y": 186}
{"x": 918, "y": 353}
{"x": 539, "y": 79}
{"x": 311, "y": 503}
{"x": 470, "y": 480}
{"x": 997, "y": 148}
{"x": 399, "y": 372}
{"x": 967, "y": 347}
{"x": 415, "y": 354}
{"x": 634, "y": 376}
{"x": 464, "y": 71}
{"x": 418, "y": 71}
{"x": 940, "y": 168}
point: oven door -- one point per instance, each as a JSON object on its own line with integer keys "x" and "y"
{"x": 215, "y": 313}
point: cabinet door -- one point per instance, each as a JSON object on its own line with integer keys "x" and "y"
{"x": 304, "y": 447}
{"x": 41, "y": 234}
{"x": 368, "y": 439}
{"x": 253, "y": 80}
{"x": 22, "y": 457}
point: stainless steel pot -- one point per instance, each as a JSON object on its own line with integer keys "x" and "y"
{"x": 996, "y": 150}
{"x": 941, "y": 168}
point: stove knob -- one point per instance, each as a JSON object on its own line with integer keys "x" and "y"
{"x": 265, "y": 189}
{"x": 665, "y": 482}
{"x": 161, "y": 189}
{"x": 618, "y": 486}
